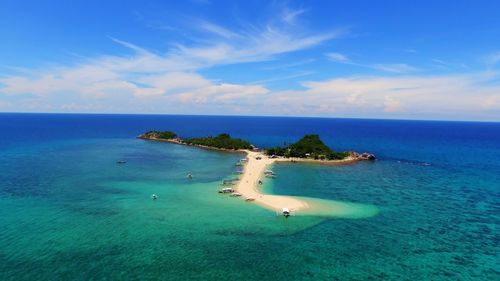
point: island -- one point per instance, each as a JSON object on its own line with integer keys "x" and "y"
{"x": 220, "y": 142}
{"x": 309, "y": 149}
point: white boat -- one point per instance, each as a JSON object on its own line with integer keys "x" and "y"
{"x": 189, "y": 176}
{"x": 286, "y": 212}
{"x": 235, "y": 194}
{"x": 226, "y": 190}
{"x": 154, "y": 197}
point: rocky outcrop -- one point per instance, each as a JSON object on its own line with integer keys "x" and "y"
{"x": 363, "y": 156}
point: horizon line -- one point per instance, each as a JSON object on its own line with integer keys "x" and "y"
{"x": 265, "y": 116}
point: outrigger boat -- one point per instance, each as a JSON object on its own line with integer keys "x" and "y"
{"x": 230, "y": 180}
{"x": 286, "y": 212}
{"x": 226, "y": 190}
{"x": 224, "y": 183}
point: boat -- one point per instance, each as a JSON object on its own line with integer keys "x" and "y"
{"x": 154, "y": 197}
{"x": 226, "y": 190}
{"x": 235, "y": 194}
{"x": 286, "y": 212}
{"x": 239, "y": 172}
{"x": 268, "y": 172}
{"x": 270, "y": 176}
{"x": 259, "y": 182}
{"x": 227, "y": 183}
{"x": 121, "y": 162}
{"x": 230, "y": 180}
{"x": 244, "y": 160}
{"x": 189, "y": 176}
{"x": 239, "y": 164}
{"x": 250, "y": 199}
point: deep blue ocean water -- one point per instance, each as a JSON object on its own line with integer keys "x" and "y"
{"x": 69, "y": 212}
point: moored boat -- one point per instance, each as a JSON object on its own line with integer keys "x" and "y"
{"x": 226, "y": 190}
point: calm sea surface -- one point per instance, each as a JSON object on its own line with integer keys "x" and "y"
{"x": 69, "y": 212}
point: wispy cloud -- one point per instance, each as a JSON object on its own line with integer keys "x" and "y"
{"x": 448, "y": 65}
{"x": 281, "y": 78}
{"x": 289, "y": 16}
{"x": 493, "y": 58}
{"x": 395, "y": 67}
{"x": 145, "y": 78}
{"x": 338, "y": 57}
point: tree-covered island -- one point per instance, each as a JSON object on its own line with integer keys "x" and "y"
{"x": 309, "y": 147}
{"x": 222, "y": 141}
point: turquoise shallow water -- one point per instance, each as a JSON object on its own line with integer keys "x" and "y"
{"x": 69, "y": 212}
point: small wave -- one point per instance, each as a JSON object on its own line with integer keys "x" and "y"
{"x": 414, "y": 163}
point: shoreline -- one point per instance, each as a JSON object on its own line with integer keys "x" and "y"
{"x": 248, "y": 185}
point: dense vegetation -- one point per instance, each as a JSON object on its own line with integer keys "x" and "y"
{"x": 160, "y": 135}
{"x": 310, "y": 146}
{"x": 221, "y": 141}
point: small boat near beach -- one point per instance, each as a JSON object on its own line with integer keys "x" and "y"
{"x": 270, "y": 176}
{"x": 230, "y": 180}
{"x": 250, "y": 199}
{"x": 226, "y": 190}
{"x": 235, "y": 194}
{"x": 121, "y": 162}
{"x": 228, "y": 183}
{"x": 286, "y": 212}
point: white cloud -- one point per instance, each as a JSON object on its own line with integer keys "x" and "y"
{"x": 461, "y": 96}
{"x": 395, "y": 68}
{"x": 289, "y": 16}
{"x": 493, "y": 58}
{"x": 338, "y": 57}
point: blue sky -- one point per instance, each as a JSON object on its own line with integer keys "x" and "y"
{"x": 365, "y": 59}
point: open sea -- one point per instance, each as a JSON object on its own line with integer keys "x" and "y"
{"x": 68, "y": 211}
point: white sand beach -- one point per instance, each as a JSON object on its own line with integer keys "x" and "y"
{"x": 248, "y": 185}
